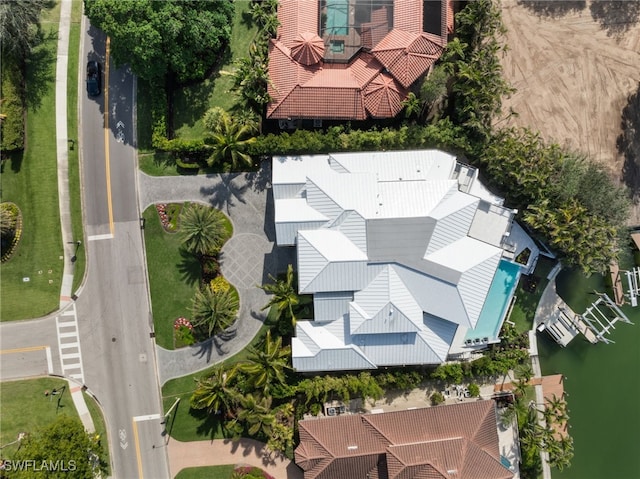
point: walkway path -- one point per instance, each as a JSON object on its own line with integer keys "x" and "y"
{"x": 219, "y": 452}
{"x": 68, "y": 351}
{"x": 246, "y": 259}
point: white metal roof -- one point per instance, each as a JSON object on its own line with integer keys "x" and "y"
{"x": 296, "y": 210}
{"x": 333, "y": 245}
{"x": 394, "y": 233}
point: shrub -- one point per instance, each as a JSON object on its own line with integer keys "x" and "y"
{"x": 183, "y": 337}
{"x": 474, "y": 390}
{"x": 12, "y": 127}
{"x": 213, "y": 118}
{"x": 436, "y": 398}
{"x": 219, "y": 285}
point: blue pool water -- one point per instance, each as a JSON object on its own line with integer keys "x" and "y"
{"x": 500, "y": 293}
{"x": 337, "y": 17}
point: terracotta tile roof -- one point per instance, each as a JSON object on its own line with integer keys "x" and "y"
{"x": 383, "y": 96}
{"x": 407, "y": 55}
{"x": 307, "y": 48}
{"x": 304, "y": 85}
{"x": 453, "y": 442}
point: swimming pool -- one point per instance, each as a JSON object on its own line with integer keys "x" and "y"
{"x": 495, "y": 306}
{"x": 337, "y": 22}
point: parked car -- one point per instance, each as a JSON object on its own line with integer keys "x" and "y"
{"x": 94, "y": 77}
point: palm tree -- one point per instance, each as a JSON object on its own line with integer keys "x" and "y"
{"x": 230, "y": 142}
{"x": 524, "y": 372}
{"x": 266, "y": 366}
{"x": 213, "y": 311}
{"x": 412, "y": 105}
{"x": 257, "y": 415}
{"x": 202, "y": 229}
{"x": 215, "y": 393}
{"x": 284, "y": 296}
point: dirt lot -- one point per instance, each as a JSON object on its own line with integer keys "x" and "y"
{"x": 576, "y": 66}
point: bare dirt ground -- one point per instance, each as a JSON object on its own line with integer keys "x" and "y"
{"x": 576, "y": 68}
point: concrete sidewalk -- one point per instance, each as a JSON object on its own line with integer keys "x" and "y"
{"x": 62, "y": 151}
{"x": 220, "y": 452}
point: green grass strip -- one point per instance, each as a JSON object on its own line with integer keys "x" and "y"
{"x": 30, "y": 281}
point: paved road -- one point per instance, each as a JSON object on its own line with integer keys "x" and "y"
{"x": 113, "y": 308}
{"x": 29, "y": 348}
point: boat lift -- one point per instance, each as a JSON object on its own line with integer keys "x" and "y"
{"x": 601, "y": 317}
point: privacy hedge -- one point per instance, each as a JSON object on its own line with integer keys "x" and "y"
{"x": 12, "y": 106}
{"x": 442, "y": 134}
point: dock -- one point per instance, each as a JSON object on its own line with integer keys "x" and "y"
{"x": 555, "y": 317}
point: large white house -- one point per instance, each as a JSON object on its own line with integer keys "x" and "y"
{"x": 400, "y": 251}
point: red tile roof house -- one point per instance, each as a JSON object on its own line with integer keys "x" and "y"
{"x": 352, "y": 59}
{"x": 444, "y": 442}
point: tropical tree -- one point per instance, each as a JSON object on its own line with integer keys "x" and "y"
{"x": 19, "y": 27}
{"x": 266, "y": 365}
{"x": 202, "y": 229}
{"x": 412, "y": 105}
{"x": 586, "y": 240}
{"x": 251, "y": 78}
{"x": 433, "y": 89}
{"x": 164, "y": 41}
{"x": 474, "y": 60}
{"x": 230, "y": 142}
{"x": 213, "y": 311}
{"x": 284, "y": 296}
{"x": 215, "y": 393}
{"x": 256, "y": 414}
{"x": 212, "y": 118}
{"x": 66, "y": 442}
{"x": 524, "y": 372}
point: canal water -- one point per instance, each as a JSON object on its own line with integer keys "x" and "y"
{"x": 603, "y": 383}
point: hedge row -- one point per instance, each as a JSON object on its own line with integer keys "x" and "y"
{"x": 12, "y": 107}
{"x": 442, "y": 134}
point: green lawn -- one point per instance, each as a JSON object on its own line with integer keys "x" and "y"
{"x": 30, "y": 181}
{"x": 25, "y": 408}
{"x": 72, "y": 126}
{"x": 187, "y": 424}
{"x": 206, "y": 472}
{"x": 526, "y": 303}
{"x": 174, "y": 276}
{"x": 31, "y": 279}
{"x": 190, "y": 103}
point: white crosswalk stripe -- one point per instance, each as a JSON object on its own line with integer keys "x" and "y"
{"x": 69, "y": 349}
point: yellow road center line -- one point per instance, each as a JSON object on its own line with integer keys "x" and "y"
{"x": 23, "y": 350}
{"x": 138, "y": 456}
{"x": 106, "y": 135}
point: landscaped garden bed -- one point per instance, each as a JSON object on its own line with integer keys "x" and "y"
{"x": 188, "y": 292}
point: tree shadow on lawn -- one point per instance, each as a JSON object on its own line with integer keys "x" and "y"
{"x": 211, "y": 425}
{"x": 628, "y": 144}
{"x": 40, "y": 74}
{"x": 553, "y": 9}
{"x": 615, "y": 16}
{"x": 189, "y": 268}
